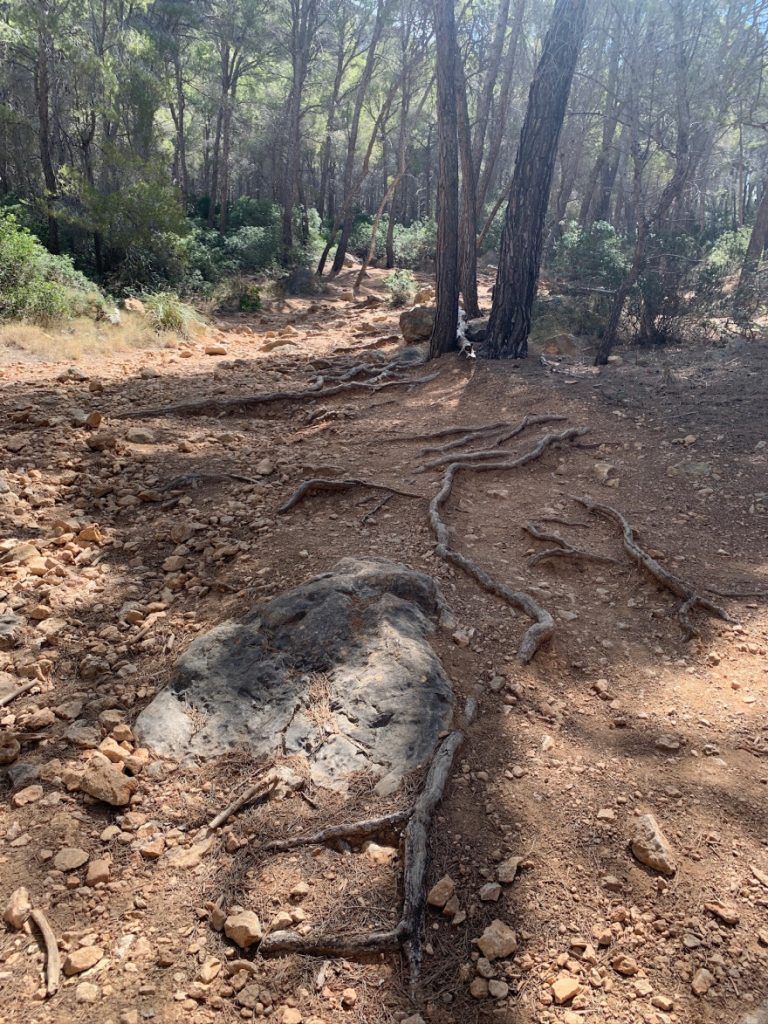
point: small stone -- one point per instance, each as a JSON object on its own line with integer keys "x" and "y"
{"x": 728, "y": 915}
{"x": 40, "y": 719}
{"x": 290, "y": 1015}
{"x": 280, "y": 921}
{"x": 670, "y": 744}
{"x": 98, "y": 871}
{"x": 478, "y": 989}
{"x": 564, "y": 988}
{"x": 82, "y": 959}
{"x": 300, "y": 891}
{"x": 264, "y": 467}
{"x": 650, "y": 846}
{"x": 209, "y": 970}
{"x": 702, "y": 982}
{"x": 18, "y": 908}
{"x": 497, "y": 941}
{"x": 140, "y": 435}
{"x": 611, "y": 883}
{"x": 762, "y": 936}
{"x": 185, "y": 858}
{"x": 103, "y": 781}
{"x": 244, "y": 929}
{"x": 661, "y": 1002}
{"x": 606, "y": 814}
{"x": 498, "y": 989}
{"x": 348, "y": 998}
{"x": 10, "y": 748}
{"x": 506, "y": 872}
{"x": 441, "y": 892}
{"x": 28, "y": 795}
{"x": 112, "y": 750}
{"x": 86, "y": 992}
{"x": 490, "y": 892}
{"x": 379, "y": 854}
{"x": 70, "y": 858}
{"x": 215, "y": 349}
{"x": 625, "y": 965}
{"x": 153, "y": 848}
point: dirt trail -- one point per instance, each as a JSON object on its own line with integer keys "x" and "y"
{"x": 618, "y": 716}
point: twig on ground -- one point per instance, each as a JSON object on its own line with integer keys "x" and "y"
{"x": 349, "y": 830}
{"x": 255, "y": 792}
{"x": 543, "y": 624}
{"x": 52, "y": 958}
{"x": 317, "y": 485}
{"x": 690, "y": 598}
{"x": 19, "y": 692}
{"x": 376, "y": 508}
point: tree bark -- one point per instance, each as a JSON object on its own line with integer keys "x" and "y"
{"x": 43, "y": 100}
{"x": 522, "y": 236}
{"x": 443, "y": 337}
{"x": 745, "y": 292}
{"x": 468, "y": 206}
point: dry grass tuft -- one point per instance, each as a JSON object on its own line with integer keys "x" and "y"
{"x": 82, "y": 337}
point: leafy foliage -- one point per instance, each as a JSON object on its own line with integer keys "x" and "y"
{"x": 593, "y": 256}
{"x": 165, "y": 311}
{"x": 401, "y": 286}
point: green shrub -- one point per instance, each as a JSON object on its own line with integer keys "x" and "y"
{"x": 592, "y": 256}
{"x": 415, "y": 244}
{"x": 253, "y": 248}
{"x": 36, "y": 286}
{"x": 166, "y": 312}
{"x": 724, "y": 258}
{"x": 249, "y": 212}
{"x": 401, "y": 286}
{"x": 238, "y": 295}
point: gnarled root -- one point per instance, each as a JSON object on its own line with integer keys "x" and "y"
{"x": 690, "y": 598}
{"x": 563, "y": 548}
{"x": 505, "y": 433}
{"x": 315, "y": 486}
{"x": 543, "y": 624}
{"x": 352, "y": 830}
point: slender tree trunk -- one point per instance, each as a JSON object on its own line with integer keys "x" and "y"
{"x": 468, "y": 208}
{"x": 443, "y": 337}
{"x": 180, "y": 126}
{"x": 745, "y": 293}
{"x": 522, "y": 237}
{"x": 303, "y": 23}
{"x": 43, "y": 99}
{"x": 330, "y": 127}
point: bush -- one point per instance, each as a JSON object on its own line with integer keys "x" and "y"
{"x": 38, "y": 287}
{"x": 166, "y": 312}
{"x": 724, "y": 258}
{"x": 592, "y": 256}
{"x": 415, "y": 244}
{"x": 401, "y": 286}
{"x": 254, "y": 248}
{"x": 238, "y": 295}
{"x": 248, "y": 212}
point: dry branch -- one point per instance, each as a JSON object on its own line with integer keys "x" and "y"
{"x": 19, "y": 692}
{"x": 543, "y": 624}
{"x": 315, "y": 486}
{"x": 52, "y": 958}
{"x": 415, "y": 860}
{"x": 690, "y": 598}
{"x": 220, "y": 406}
{"x": 562, "y": 550}
{"x": 255, "y": 792}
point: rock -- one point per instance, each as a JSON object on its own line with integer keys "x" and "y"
{"x": 18, "y": 908}
{"x": 378, "y": 854}
{"x": 215, "y": 348}
{"x": 498, "y": 989}
{"x": 101, "y": 440}
{"x": 264, "y": 467}
{"x": 478, "y": 988}
{"x": 134, "y": 306}
{"x": 183, "y": 858}
{"x": 70, "y": 858}
{"x": 281, "y": 921}
{"x": 665, "y": 1003}
{"x": 244, "y": 929}
{"x": 561, "y": 345}
{"x": 86, "y": 992}
{"x": 302, "y": 281}
{"x": 611, "y": 883}
{"x": 441, "y": 892}
{"x": 153, "y": 848}
{"x": 41, "y": 719}
{"x": 490, "y": 892}
{"x": 477, "y": 329}
{"x": 209, "y": 970}
{"x": 762, "y": 936}
{"x": 82, "y": 959}
{"x": 28, "y": 795}
{"x": 10, "y": 748}
{"x": 363, "y": 626}
{"x": 650, "y": 846}
{"x": 290, "y": 1015}
{"x": 564, "y": 988}
{"x": 506, "y": 872}
{"x": 728, "y": 915}
{"x": 669, "y": 744}
{"x": 416, "y": 324}
{"x": 606, "y": 814}
{"x": 300, "y": 891}
{"x": 625, "y": 965}
{"x": 140, "y": 435}
{"x": 702, "y": 982}
{"x": 348, "y": 998}
{"x": 605, "y": 472}
{"x": 98, "y": 871}
{"x": 497, "y": 941}
{"x": 103, "y": 781}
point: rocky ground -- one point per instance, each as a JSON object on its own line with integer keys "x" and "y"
{"x": 601, "y": 853}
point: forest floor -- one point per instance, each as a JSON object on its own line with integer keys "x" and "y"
{"x": 618, "y": 716}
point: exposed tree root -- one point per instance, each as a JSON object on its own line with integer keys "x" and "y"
{"x": 506, "y": 434}
{"x": 690, "y": 598}
{"x": 52, "y": 958}
{"x": 256, "y": 792}
{"x": 221, "y": 406}
{"x": 376, "y": 508}
{"x": 318, "y": 485}
{"x": 757, "y": 594}
{"x": 543, "y": 624}
{"x": 351, "y": 830}
{"x": 563, "y": 548}
{"x": 407, "y": 934}
{"x": 18, "y": 692}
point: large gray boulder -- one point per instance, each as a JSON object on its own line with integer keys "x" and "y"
{"x": 416, "y": 324}
{"x": 339, "y": 669}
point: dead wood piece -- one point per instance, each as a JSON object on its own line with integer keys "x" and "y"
{"x": 186, "y": 480}
{"x": 19, "y": 692}
{"x": 315, "y": 486}
{"x": 450, "y": 432}
{"x": 350, "y": 830}
{"x": 220, "y": 406}
{"x": 543, "y": 624}
{"x": 563, "y": 549}
{"x": 52, "y": 958}
{"x": 376, "y": 508}
{"x": 690, "y": 598}
{"x": 507, "y": 433}
{"x": 255, "y": 792}
{"x": 758, "y": 594}
{"x": 351, "y": 946}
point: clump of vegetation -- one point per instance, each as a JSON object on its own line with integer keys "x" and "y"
{"x": 592, "y": 255}
{"x": 166, "y": 313}
{"x": 238, "y": 295}
{"x": 37, "y": 287}
{"x": 401, "y": 286}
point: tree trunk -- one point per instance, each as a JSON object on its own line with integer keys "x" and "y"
{"x": 468, "y": 219}
{"x": 521, "y": 240}
{"x": 43, "y": 100}
{"x": 443, "y": 337}
{"x": 745, "y": 293}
